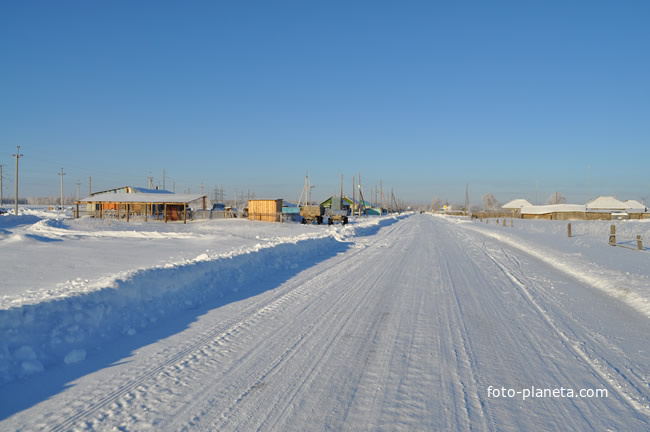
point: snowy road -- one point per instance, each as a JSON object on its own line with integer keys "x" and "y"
{"x": 411, "y": 328}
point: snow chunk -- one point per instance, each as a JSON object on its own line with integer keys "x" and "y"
{"x": 75, "y": 356}
{"x": 25, "y": 352}
{"x": 32, "y": 366}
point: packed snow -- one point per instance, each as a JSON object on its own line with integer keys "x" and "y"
{"x": 71, "y": 283}
{"x": 401, "y": 322}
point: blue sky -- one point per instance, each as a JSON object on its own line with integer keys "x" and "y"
{"x": 516, "y": 99}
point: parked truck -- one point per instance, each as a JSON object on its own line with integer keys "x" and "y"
{"x": 336, "y": 216}
{"x": 337, "y": 212}
{"x": 312, "y": 213}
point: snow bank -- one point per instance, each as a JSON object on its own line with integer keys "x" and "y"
{"x": 60, "y": 325}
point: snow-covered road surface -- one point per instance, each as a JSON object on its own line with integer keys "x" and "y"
{"x": 413, "y": 327}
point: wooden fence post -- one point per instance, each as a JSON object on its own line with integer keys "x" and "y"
{"x": 612, "y": 235}
{"x": 510, "y": 223}
{"x": 639, "y": 244}
{"x": 569, "y": 230}
{"x": 504, "y": 222}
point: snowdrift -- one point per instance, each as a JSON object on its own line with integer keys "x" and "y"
{"x": 63, "y": 325}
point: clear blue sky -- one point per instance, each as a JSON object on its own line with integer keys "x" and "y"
{"x": 516, "y": 98}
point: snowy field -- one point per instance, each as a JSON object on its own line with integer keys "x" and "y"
{"x": 412, "y": 322}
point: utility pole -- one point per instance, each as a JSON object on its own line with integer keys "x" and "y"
{"x": 150, "y": 181}
{"x": 589, "y": 184}
{"x": 354, "y": 194}
{"x": 362, "y": 201}
{"x": 90, "y": 185}
{"x": 164, "y": 175}
{"x": 466, "y": 199}
{"x": 305, "y": 191}
{"x": 78, "y": 190}
{"x": 1, "y": 185}
{"x": 61, "y": 174}
{"x": 376, "y": 196}
{"x": 17, "y": 156}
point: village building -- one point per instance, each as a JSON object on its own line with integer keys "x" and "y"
{"x": 554, "y": 212}
{"x": 267, "y": 210}
{"x": 516, "y": 205}
{"x": 147, "y": 204}
{"x": 601, "y": 208}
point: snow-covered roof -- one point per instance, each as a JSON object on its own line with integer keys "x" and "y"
{"x": 151, "y": 198}
{"x": 606, "y": 203}
{"x": 132, "y": 189}
{"x": 635, "y": 205}
{"x": 146, "y": 190}
{"x": 516, "y": 204}
{"x": 553, "y": 208}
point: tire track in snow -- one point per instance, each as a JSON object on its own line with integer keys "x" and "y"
{"x": 221, "y": 333}
{"x": 305, "y": 346}
{"x": 235, "y": 333}
{"x": 608, "y": 376}
{"x": 465, "y": 359}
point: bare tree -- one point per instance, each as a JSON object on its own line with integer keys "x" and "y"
{"x": 556, "y": 198}
{"x": 437, "y": 204}
{"x": 490, "y": 202}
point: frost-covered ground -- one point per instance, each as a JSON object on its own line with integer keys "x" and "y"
{"x": 392, "y": 323}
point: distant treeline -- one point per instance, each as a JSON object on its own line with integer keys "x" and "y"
{"x": 39, "y": 201}
{"x": 7, "y": 201}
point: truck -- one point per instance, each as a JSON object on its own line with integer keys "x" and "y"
{"x": 312, "y": 213}
{"x": 336, "y": 216}
{"x": 337, "y": 212}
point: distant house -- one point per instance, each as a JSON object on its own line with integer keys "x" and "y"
{"x": 636, "y": 210}
{"x": 617, "y": 209}
{"x": 601, "y": 208}
{"x": 128, "y": 202}
{"x": 554, "y": 212}
{"x": 516, "y": 205}
{"x": 634, "y": 206}
{"x": 606, "y": 204}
